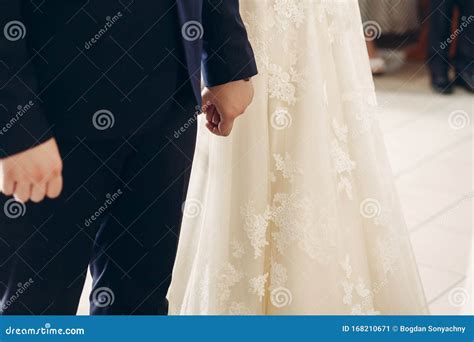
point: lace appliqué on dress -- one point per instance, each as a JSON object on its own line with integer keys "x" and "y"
{"x": 343, "y": 163}
{"x": 257, "y": 285}
{"x": 356, "y": 294}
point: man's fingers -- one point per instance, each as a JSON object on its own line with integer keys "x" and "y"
{"x": 22, "y": 191}
{"x": 209, "y": 116}
{"x": 210, "y": 111}
{"x": 212, "y": 128}
{"x": 54, "y": 187}
{"x": 216, "y": 118}
{"x": 7, "y": 186}
{"x": 38, "y": 192}
{"x": 225, "y": 127}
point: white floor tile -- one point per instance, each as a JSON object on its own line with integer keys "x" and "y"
{"x": 441, "y": 250}
{"x": 435, "y": 282}
{"x": 455, "y": 301}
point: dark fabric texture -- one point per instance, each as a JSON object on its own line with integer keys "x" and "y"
{"x": 72, "y": 61}
{"x": 441, "y": 36}
{"x": 118, "y": 85}
{"x": 120, "y": 212}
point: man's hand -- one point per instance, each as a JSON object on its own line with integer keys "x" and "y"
{"x": 33, "y": 174}
{"x": 224, "y": 103}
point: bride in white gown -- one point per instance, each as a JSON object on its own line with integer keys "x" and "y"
{"x": 296, "y": 212}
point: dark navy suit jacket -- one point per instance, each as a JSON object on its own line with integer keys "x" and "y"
{"x": 62, "y": 61}
{"x": 225, "y": 50}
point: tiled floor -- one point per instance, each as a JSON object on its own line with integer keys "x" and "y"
{"x": 429, "y": 141}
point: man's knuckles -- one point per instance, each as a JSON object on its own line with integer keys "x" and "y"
{"x": 43, "y": 173}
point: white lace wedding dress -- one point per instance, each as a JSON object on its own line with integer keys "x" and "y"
{"x": 296, "y": 212}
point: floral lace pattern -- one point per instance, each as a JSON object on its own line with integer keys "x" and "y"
{"x": 288, "y": 168}
{"x": 301, "y": 216}
{"x": 356, "y": 294}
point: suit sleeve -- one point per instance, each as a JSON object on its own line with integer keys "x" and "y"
{"x": 227, "y": 54}
{"x": 22, "y": 123}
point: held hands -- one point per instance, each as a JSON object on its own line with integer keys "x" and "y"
{"x": 224, "y": 103}
{"x": 32, "y": 174}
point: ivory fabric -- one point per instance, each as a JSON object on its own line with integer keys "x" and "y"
{"x": 296, "y": 212}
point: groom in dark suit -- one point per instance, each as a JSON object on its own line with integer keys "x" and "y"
{"x": 92, "y": 171}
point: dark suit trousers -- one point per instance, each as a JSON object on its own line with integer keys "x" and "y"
{"x": 441, "y": 14}
{"x": 120, "y": 212}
